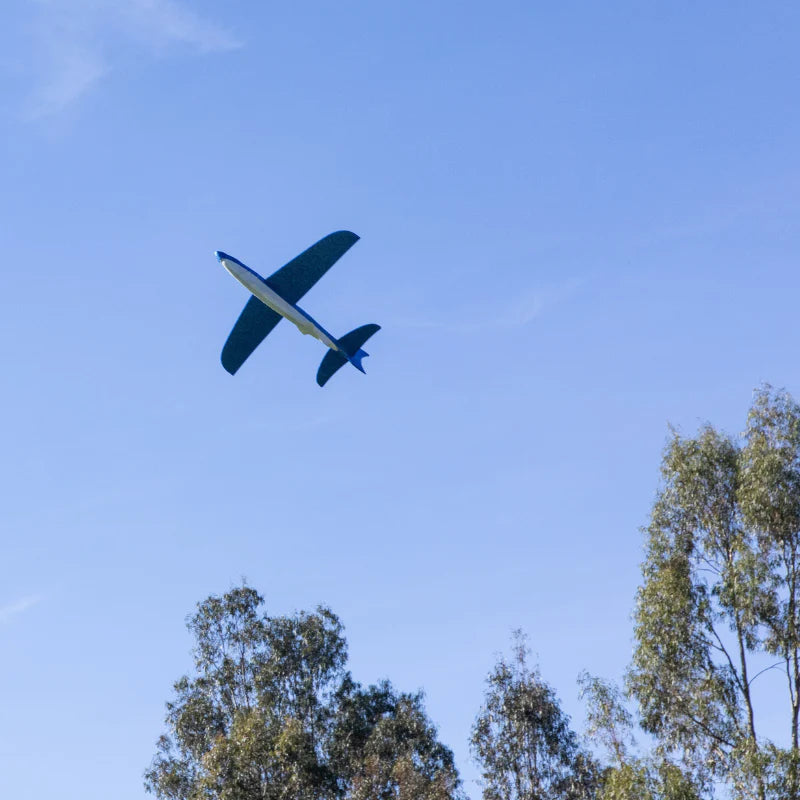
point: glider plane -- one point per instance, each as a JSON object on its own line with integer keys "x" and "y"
{"x": 276, "y": 297}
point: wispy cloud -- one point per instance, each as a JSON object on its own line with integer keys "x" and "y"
{"x": 74, "y": 42}
{"x": 160, "y": 23}
{"x": 521, "y": 311}
{"x": 529, "y": 305}
{"x": 11, "y": 610}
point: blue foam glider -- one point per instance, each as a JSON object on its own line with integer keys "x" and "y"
{"x": 276, "y": 297}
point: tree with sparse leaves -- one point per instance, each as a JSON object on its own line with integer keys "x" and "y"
{"x": 627, "y": 775}
{"x": 719, "y": 606}
{"x": 522, "y": 739}
{"x": 271, "y": 713}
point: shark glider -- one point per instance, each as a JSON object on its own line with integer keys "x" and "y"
{"x": 276, "y": 297}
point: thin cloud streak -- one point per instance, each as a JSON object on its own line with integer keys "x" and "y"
{"x": 73, "y": 44}
{"x": 12, "y": 610}
{"x": 159, "y": 23}
{"x": 521, "y": 312}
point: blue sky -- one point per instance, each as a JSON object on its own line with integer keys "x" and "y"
{"x": 579, "y": 224}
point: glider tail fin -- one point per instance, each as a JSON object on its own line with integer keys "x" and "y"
{"x": 356, "y": 359}
{"x": 350, "y": 350}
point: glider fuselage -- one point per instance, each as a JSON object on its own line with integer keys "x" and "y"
{"x": 258, "y": 287}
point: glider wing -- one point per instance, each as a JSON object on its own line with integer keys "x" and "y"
{"x": 293, "y": 280}
{"x": 252, "y": 327}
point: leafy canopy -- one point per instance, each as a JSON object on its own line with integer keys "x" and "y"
{"x": 719, "y": 606}
{"x": 522, "y": 739}
{"x": 271, "y": 713}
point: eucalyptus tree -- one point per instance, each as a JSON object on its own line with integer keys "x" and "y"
{"x": 386, "y": 748}
{"x": 522, "y": 739}
{"x": 271, "y": 713}
{"x": 628, "y": 774}
{"x": 719, "y": 605}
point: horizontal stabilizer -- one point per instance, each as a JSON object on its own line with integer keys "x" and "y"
{"x": 351, "y": 351}
{"x": 332, "y": 362}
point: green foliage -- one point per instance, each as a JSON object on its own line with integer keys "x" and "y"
{"x": 523, "y": 741}
{"x": 721, "y": 582}
{"x": 628, "y": 776}
{"x": 626, "y": 782}
{"x": 608, "y": 722}
{"x": 384, "y": 747}
{"x": 272, "y": 714}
